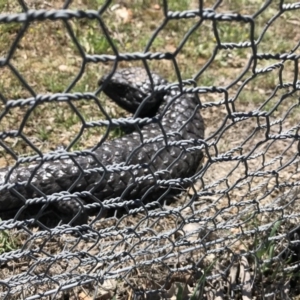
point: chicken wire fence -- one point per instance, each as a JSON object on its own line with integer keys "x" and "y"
{"x": 232, "y": 233}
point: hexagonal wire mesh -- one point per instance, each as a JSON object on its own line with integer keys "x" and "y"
{"x": 142, "y": 215}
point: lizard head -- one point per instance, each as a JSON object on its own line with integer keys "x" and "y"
{"x": 131, "y": 87}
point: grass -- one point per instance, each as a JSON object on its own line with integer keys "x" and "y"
{"x": 266, "y": 249}
{"x": 8, "y": 242}
{"x": 49, "y": 61}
